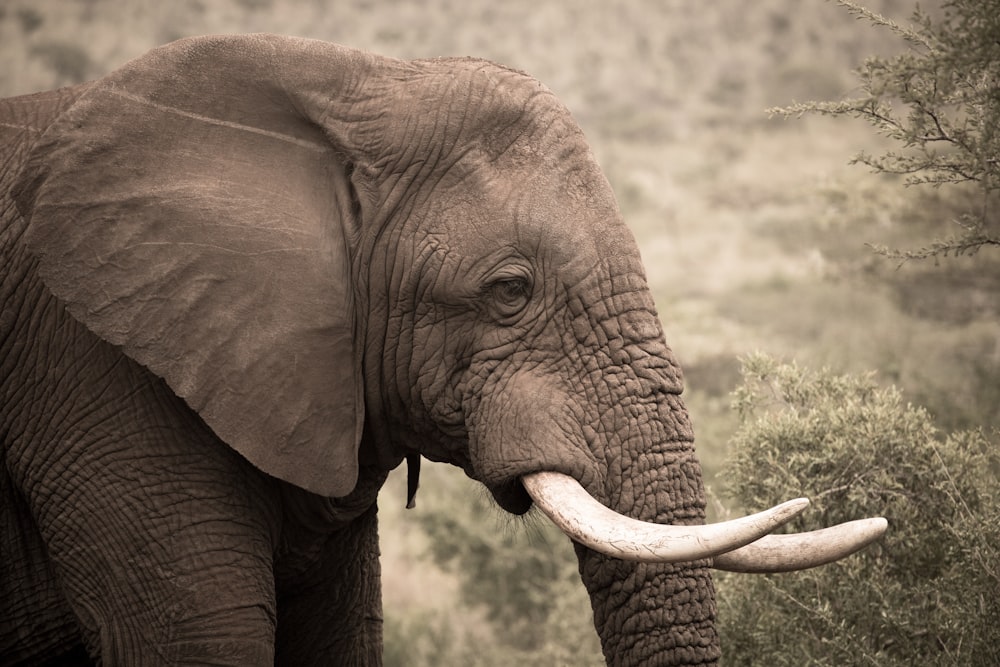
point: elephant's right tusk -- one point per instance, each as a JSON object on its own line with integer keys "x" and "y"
{"x": 799, "y": 551}
{"x": 592, "y": 524}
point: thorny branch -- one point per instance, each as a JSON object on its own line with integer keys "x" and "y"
{"x": 950, "y": 80}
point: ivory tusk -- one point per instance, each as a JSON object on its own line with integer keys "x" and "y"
{"x": 592, "y": 524}
{"x": 784, "y": 553}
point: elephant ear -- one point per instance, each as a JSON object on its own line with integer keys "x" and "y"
{"x": 193, "y": 209}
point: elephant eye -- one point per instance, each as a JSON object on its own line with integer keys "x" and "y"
{"x": 510, "y": 295}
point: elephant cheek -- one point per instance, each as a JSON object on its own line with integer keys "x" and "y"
{"x": 524, "y": 429}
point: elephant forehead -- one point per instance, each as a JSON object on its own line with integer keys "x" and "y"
{"x": 549, "y": 215}
{"x": 469, "y": 101}
{"x": 545, "y": 188}
{"x": 511, "y": 168}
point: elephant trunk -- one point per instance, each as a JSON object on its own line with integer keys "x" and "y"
{"x": 635, "y": 457}
{"x": 653, "y": 613}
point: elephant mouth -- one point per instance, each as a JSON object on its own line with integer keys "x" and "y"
{"x": 739, "y": 545}
{"x": 512, "y": 496}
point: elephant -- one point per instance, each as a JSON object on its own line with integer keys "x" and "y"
{"x": 246, "y": 276}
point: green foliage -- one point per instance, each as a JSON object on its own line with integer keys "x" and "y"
{"x": 929, "y": 593}
{"x": 524, "y": 578}
{"x": 939, "y": 100}
{"x": 511, "y": 595}
{"x": 421, "y": 641}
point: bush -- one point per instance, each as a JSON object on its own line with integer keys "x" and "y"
{"x": 929, "y": 593}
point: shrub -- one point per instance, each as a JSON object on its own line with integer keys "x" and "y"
{"x": 929, "y": 593}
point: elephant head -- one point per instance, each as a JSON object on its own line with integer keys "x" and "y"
{"x": 340, "y": 260}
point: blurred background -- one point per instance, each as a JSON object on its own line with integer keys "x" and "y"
{"x": 753, "y": 230}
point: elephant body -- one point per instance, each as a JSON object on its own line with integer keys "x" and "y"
{"x": 242, "y": 279}
{"x": 94, "y": 444}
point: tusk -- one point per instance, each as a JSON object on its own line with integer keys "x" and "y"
{"x": 592, "y": 524}
{"x": 784, "y": 553}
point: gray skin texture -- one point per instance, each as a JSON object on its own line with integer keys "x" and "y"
{"x": 244, "y": 277}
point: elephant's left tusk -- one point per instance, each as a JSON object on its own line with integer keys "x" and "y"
{"x": 800, "y": 551}
{"x": 585, "y": 520}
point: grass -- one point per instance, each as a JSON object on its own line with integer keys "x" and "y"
{"x": 752, "y": 229}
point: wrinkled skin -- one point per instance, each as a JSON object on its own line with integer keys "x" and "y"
{"x": 193, "y": 445}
